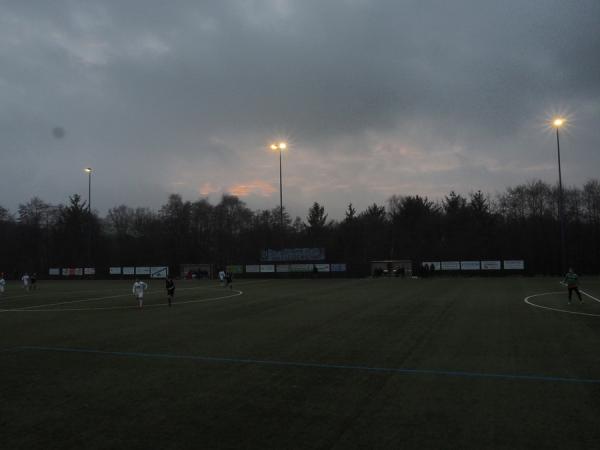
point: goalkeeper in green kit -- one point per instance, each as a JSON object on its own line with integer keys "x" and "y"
{"x": 572, "y": 282}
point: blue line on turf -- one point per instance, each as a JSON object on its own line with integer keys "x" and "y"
{"x": 11, "y": 349}
{"x": 452, "y": 373}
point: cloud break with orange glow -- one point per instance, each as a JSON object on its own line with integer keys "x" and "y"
{"x": 257, "y": 187}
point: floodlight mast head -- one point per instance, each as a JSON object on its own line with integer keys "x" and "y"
{"x": 88, "y": 170}
{"x": 558, "y": 122}
{"x": 280, "y": 146}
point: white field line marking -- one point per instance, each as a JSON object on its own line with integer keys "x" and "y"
{"x": 213, "y": 288}
{"x": 103, "y": 298}
{"x": 71, "y": 301}
{"x": 33, "y": 293}
{"x": 35, "y": 308}
{"x": 590, "y": 296}
{"x": 579, "y": 313}
{"x": 109, "y": 308}
{"x": 583, "y": 292}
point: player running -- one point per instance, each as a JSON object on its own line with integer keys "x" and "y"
{"x": 170, "y": 285}
{"x": 572, "y": 282}
{"x": 229, "y": 280}
{"x": 26, "y": 281}
{"x": 138, "y": 291}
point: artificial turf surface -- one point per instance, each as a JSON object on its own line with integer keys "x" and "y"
{"x": 294, "y": 364}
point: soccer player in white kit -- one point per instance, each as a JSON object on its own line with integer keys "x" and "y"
{"x": 222, "y": 276}
{"x": 2, "y": 283}
{"x": 138, "y": 290}
{"x": 25, "y": 279}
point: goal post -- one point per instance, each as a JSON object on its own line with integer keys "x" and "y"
{"x": 197, "y": 270}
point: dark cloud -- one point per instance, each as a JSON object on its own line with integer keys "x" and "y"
{"x": 415, "y": 96}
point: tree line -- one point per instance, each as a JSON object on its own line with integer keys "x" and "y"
{"x": 520, "y": 223}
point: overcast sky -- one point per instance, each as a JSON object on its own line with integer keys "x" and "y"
{"x": 374, "y": 97}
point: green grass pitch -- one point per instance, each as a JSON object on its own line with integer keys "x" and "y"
{"x": 301, "y": 364}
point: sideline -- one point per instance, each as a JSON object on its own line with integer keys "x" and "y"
{"x": 310, "y": 365}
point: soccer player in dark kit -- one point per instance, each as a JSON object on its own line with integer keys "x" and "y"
{"x": 170, "y": 285}
{"x": 572, "y": 282}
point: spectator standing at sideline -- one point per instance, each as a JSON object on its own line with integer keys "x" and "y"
{"x": 170, "y": 285}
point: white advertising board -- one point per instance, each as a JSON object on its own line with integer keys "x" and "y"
{"x": 282, "y": 268}
{"x": 338, "y": 267}
{"x": 514, "y": 264}
{"x": 436, "y": 264}
{"x": 470, "y": 265}
{"x": 301, "y": 267}
{"x": 450, "y": 265}
{"x": 89, "y": 271}
{"x": 253, "y": 268}
{"x": 322, "y": 267}
{"x": 267, "y": 268}
{"x": 114, "y": 270}
{"x": 491, "y": 265}
{"x": 54, "y": 271}
{"x": 128, "y": 270}
{"x": 142, "y": 270}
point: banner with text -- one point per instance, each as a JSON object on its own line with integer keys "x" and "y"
{"x": 450, "y": 265}
{"x": 514, "y": 264}
{"x": 490, "y": 265}
{"x": 293, "y": 254}
{"x": 470, "y": 265}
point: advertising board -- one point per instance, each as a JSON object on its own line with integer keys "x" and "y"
{"x": 514, "y": 264}
{"x": 470, "y": 265}
{"x": 450, "y": 265}
{"x": 491, "y": 265}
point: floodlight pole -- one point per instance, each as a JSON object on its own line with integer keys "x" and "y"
{"x": 561, "y": 214}
{"x": 89, "y": 191}
{"x": 89, "y": 249}
{"x": 280, "y": 192}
